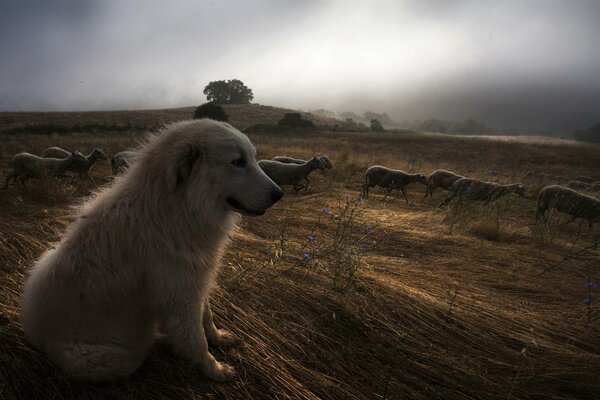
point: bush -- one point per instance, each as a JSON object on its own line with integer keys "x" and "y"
{"x": 212, "y": 111}
{"x": 295, "y": 120}
{"x": 376, "y": 126}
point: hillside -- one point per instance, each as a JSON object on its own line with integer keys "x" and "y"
{"x": 241, "y": 116}
{"x": 394, "y": 301}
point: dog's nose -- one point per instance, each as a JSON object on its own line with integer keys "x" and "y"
{"x": 276, "y": 195}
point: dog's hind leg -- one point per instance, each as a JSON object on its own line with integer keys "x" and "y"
{"x": 216, "y": 337}
{"x": 96, "y": 362}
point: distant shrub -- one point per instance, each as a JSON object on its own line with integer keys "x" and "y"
{"x": 376, "y": 126}
{"x": 295, "y": 120}
{"x": 211, "y": 110}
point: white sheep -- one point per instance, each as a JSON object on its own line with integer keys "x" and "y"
{"x": 568, "y": 201}
{"x": 475, "y": 190}
{"x": 291, "y": 174}
{"x": 84, "y": 168}
{"x": 26, "y": 165}
{"x": 441, "y": 178}
{"x": 121, "y": 161}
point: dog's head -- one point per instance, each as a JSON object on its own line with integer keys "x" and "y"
{"x": 212, "y": 160}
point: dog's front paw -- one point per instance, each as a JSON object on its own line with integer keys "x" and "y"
{"x": 224, "y": 338}
{"x": 219, "y": 372}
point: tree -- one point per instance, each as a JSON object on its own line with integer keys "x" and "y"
{"x": 295, "y": 120}
{"x": 212, "y": 111}
{"x": 232, "y": 91}
{"x": 376, "y": 126}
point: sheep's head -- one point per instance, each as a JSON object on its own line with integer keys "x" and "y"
{"x": 422, "y": 179}
{"x": 78, "y": 159}
{"x": 98, "y": 154}
{"x": 326, "y": 162}
{"x": 521, "y": 190}
{"x": 317, "y": 163}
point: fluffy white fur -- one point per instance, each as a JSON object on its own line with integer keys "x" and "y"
{"x": 142, "y": 255}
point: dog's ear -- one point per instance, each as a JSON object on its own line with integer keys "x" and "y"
{"x": 181, "y": 167}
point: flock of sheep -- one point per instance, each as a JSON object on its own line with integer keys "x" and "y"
{"x": 55, "y": 162}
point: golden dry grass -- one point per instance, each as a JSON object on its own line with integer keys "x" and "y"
{"x": 431, "y": 315}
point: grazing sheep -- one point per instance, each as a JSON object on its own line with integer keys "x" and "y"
{"x": 121, "y": 161}
{"x": 290, "y": 160}
{"x": 26, "y": 165}
{"x": 389, "y": 179}
{"x": 291, "y": 174}
{"x": 84, "y": 168}
{"x": 441, "y": 178}
{"x": 567, "y": 201}
{"x": 585, "y": 179}
{"x": 474, "y": 189}
{"x": 140, "y": 260}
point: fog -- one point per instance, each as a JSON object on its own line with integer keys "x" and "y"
{"x": 524, "y": 65}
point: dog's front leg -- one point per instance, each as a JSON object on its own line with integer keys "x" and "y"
{"x": 216, "y": 337}
{"x": 184, "y": 329}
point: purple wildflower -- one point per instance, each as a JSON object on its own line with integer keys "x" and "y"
{"x": 310, "y": 237}
{"x": 592, "y": 285}
{"x": 587, "y": 301}
{"x": 305, "y": 257}
{"x": 359, "y": 198}
{"x": 325, "y": 210}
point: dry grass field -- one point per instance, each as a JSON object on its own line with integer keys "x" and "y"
{"x": 341, "y": 298}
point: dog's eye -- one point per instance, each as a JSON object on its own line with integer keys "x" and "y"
{"x": 239, "y": 162}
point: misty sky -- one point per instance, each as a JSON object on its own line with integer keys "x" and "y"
{"x": 522, "y": 65}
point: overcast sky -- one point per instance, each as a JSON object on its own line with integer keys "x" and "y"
{"x": 523, "y": 64}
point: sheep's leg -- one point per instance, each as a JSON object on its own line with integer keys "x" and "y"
{"x": 184, "y": 327}
{"x": 7, "y": 179}
{"x": 22, "y": 179}
{"x": 216, "y": 337}
{"x": 365, "y": 191}
{"x": 90, "y": 178}
{"x": 307, "y": 183}
{"x": 388, "y": 191}
{"x": 404, "y": 194}
{"x": 446, "y": 201}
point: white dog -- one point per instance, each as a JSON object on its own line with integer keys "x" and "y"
{"x": 141, "y": 257}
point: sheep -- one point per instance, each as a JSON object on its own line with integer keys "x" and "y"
{"x": 83, "y": 168}
{"x": 291, "y": 174}
{"x": 121, "y": 161}
{"x": 26, "y": 165}
{"x": 290, "y": 160}
{"x": 441, "y": 178}
{"x": 474, "y": 189}
{"x": 390, "y": 179}
{"x": 567, "y": 201}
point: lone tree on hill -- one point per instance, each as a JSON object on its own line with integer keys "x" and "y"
{"x": 376, "y": 126}
{"x": 232, "y": 91}
{"x": 212, "y": 111}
